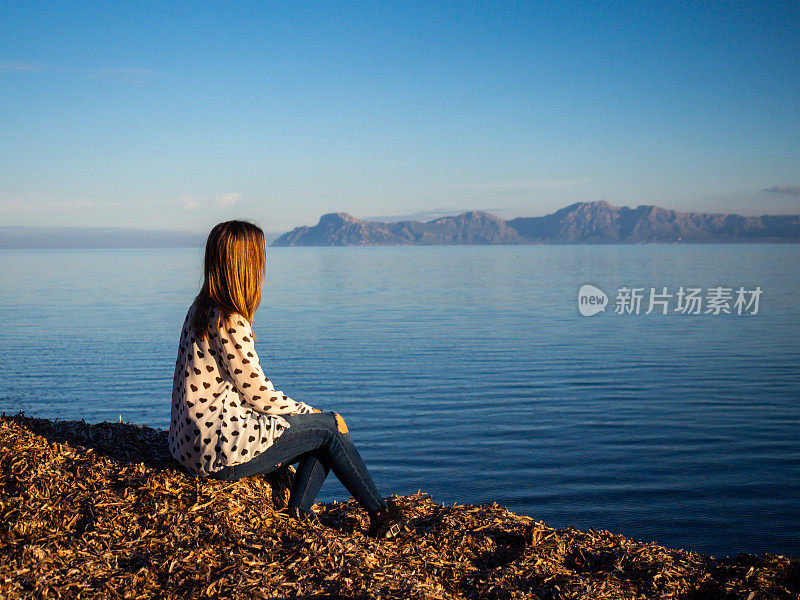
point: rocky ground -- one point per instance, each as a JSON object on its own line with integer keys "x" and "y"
{"x": 102, "y": 511}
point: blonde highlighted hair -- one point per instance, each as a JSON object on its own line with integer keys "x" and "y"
{"x": 234, "y": 267}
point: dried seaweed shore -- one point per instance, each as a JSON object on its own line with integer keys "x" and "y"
{"x": 102, "y": 511}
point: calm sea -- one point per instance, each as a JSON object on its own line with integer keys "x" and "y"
{"x": 469, "y": 372}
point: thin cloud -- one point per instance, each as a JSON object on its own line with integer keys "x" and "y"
{"x": 229, "y": 199}
{"x": 187, "y": 202}
{"x": 20, "y": 67}
{"x": 193, "y": 202}
{"x": 423, "y": 215}
{"x": 786, "y": 190}
{"x": 20, "y": 206}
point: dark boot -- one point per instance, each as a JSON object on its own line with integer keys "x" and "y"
{"x": 386, "y": 523}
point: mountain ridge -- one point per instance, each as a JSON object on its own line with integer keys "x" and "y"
{"x": 580, "y": 222}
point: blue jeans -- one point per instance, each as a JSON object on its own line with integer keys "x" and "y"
{"x": 320, "y": 442}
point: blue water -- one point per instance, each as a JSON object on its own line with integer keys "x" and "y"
{"x": 469, "y": 373}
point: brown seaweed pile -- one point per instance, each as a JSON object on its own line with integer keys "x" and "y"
{"x": 102, "y": 511}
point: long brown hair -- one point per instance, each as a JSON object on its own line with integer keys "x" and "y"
{"x": 234, "y": 266}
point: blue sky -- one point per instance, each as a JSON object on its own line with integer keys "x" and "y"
{"x": 180, "y": 115}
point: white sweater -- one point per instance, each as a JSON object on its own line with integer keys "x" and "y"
{"x": 224, "y": 409}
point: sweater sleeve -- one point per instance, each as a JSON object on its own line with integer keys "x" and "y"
{"x": 239, "y": 359}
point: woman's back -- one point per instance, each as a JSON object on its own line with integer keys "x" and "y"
{"x": 221, "y": 398}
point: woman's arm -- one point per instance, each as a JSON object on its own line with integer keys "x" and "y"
{"x": 239, "y": 359}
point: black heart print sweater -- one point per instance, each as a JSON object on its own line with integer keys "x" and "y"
{"x": 225, "y": 410}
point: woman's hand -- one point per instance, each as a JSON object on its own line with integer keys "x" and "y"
{"x": 317, "y": 410}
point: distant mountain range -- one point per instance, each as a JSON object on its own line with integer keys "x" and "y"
{"x": 579, "y": 223}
